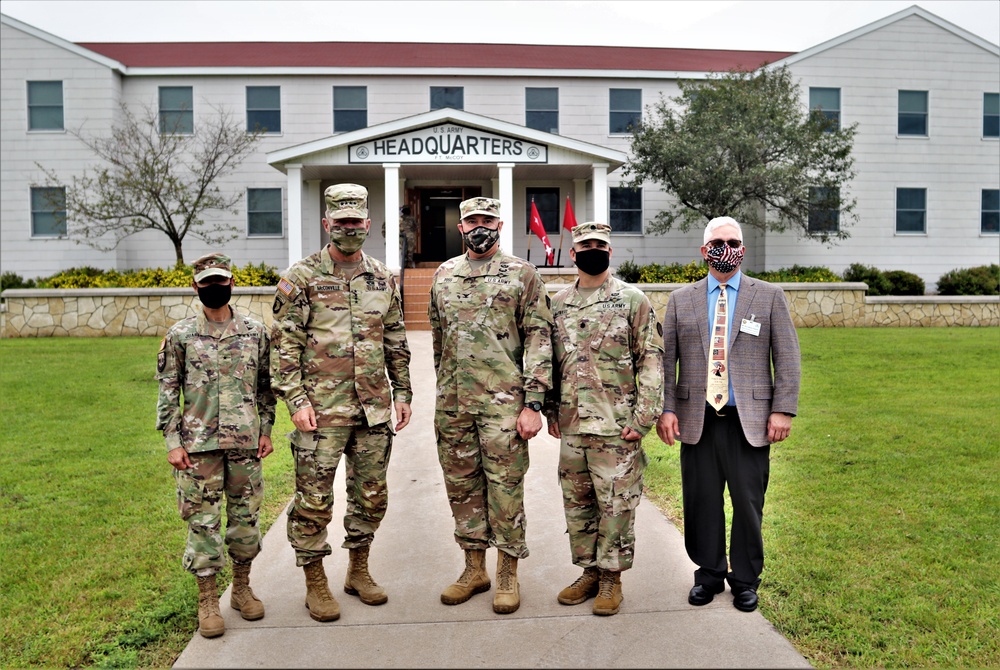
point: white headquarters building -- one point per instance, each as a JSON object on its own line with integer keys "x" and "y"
{"x": 427, "y": 125}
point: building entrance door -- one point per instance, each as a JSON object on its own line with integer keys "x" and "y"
{"x": 439, "y": 216}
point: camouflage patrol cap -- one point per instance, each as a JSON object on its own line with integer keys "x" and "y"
{"x": 346, "y": 201}
{"x": 592, "y": 231}
{"x": 212, "y": 265}
{"x": 484, "y": 206}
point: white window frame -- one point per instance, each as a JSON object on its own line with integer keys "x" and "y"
{"x": 62, "y": 105}
{"x": 642, "y": 213}
{"x": 895, "y": 210}
{"x": 281, "y": 205}
{"x": 31, "y": 215}
{"x": 160, "y": 110}
{"x": 281, "y": 121}
{"x": 927, "y": 125}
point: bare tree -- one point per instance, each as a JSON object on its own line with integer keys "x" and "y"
{"x": 149, "y": 179}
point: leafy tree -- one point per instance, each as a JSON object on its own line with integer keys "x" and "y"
{"x": 152, "y": 180}
{"x": 740, "y": 144}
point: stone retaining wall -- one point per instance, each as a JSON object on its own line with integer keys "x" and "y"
{"x": 119, "y": 312}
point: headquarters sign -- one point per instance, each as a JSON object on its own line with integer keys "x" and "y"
{"x": 448, "y": 143}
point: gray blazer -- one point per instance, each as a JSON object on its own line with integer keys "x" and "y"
{"x": 758, "y": 394}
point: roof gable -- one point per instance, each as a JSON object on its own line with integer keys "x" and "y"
{"x": 301, "y": 153}
{"x": 914, "y": 10}
{"x": 61, "y": 43}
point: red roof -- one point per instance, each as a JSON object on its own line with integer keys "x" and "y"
{"x": 422, "y": 55}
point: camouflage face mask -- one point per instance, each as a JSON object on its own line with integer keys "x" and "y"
{"x": 481, "y": 239}
{"x": 348, "y": 240}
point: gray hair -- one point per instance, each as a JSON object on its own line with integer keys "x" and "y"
{"x": 719, "y": 222}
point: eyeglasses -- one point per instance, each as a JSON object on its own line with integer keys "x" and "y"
{"x": 715, "y": 244}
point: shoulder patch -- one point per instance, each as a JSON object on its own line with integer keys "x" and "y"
{"x": 289, "y": 289}
{"x": 161, "y": 356}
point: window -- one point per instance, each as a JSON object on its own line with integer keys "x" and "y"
{"x": 48, "y": 212}
{"x": 911, "y": 210}
{"x": 626, "y": 210}
{"x": 176, "y": 110}
{"x": 263, "y": 212}
{"x": 826, "y": 101}
{"x": 541, "y": 109}
{"x": 625, "y": 105}
{"x": 991, "y": 211}
{"x": 991, "y": 114}
{"x": 912, "y": 113}
{"x": 447, "y": 96}
{"x": 350, "y": 108}
{"x": 264, "y": 108}
{"x": 45, "y": 105}
{"x": 547, "y": 203}
{"x": 824, "y": 209}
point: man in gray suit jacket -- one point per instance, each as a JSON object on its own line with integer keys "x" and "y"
{"x": 728, "y": 443}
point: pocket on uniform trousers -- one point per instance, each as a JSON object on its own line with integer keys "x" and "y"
{"x": 190, "y": 493}
{"x": 627, "y": 488}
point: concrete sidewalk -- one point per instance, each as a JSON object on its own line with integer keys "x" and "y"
{"x": 414, "y": 557}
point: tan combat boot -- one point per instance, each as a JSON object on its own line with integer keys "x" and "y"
{"x": 358, "y": 582}
{"x": 210, "y": 623}
{"x": 609, "y": 595}
{"x": 474, "y": 579}
{"x": 321, "y": 603}
{"x": 242, "y": 598}
{"x": 584, "y": 587}
{"x": 507, "y": 597}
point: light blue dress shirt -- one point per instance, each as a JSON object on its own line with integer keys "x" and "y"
{"x": 732, "y": 289}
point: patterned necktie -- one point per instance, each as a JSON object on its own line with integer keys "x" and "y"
{"x": 718, "y": 363}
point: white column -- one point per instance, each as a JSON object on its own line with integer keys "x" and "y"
{"x": 601, "y": 213}
{"x": 506, "y": 198}
{"x": 313, "y": 211}
{"x": 580, "y": 200}
{"x": 391, "y": 189}
{"x": 294, "y": 173}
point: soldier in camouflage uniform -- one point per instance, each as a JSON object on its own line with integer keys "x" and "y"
{"x": 491, "y": 325}
{"x": 218, "y": 361}
{"x": 608, "y": 387}
{"x": 338, "y": 330}
{"x": 408, "y": 232}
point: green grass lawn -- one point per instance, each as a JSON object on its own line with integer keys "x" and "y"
{"x": 881, "y": 524}
{"x": 91, "y": 540}
{"x": 882, "y": 521}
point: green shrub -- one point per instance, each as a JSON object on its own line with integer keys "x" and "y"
{"x": 672, "y": 274}
{"x": 980, "y": 280}
{"x": 877, "y": 283}
{"x": 798, "y": 273}
{"x": 628, "y": 272}
{"x": 12, "y": 280}
{"x": 176, "y": 277}
{"x": 904, "y": 283}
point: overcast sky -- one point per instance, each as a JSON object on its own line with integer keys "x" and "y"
{"x": 716, "y": 24}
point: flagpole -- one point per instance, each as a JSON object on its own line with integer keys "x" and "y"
{"x": 529, "y": 234}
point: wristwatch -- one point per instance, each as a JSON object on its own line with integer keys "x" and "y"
{"x": 534, "y": 405}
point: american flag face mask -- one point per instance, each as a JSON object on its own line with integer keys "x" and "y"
{"x": 724, "y": 258}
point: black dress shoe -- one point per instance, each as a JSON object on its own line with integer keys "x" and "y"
{"x": 745, "y": 600}
{"x": 702, "y": 594}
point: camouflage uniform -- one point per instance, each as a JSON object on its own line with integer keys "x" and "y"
{"x": 228, "y": 405}
{"x": 408, "y": 232}
{"x": 607, "y": 350}
{"x": 335, "y": 338}
{"x": 492, "y": 353}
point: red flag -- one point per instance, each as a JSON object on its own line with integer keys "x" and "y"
{"x": 569, "y": 220}
{"x": 539, "y": 230}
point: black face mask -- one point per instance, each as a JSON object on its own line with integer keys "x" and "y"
{"x": 215, "y": 296}
{"x": 593, "y": 261}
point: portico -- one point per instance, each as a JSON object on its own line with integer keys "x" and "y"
{"x": 432, "y": 161}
